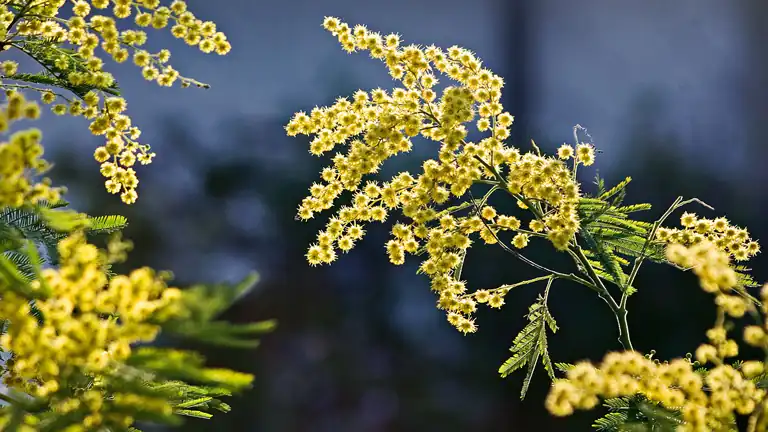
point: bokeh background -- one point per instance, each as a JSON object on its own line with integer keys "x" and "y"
{"x": 673, "y": 93}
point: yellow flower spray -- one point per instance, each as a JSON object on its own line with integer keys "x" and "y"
{"x": 439, "y": 219}
{"x": 71, "y": 53}
{"x": 375, "y": 126}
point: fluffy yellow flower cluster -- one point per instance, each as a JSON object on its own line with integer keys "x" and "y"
{"x": 713, "y": 269}
{"x": 548, "y": 181}
{"x": 712, "y": 266}
{"x": 92, "y": 401}
{"x": 20, "y": 157}
{"x": 728, "y": 238}
{"x": 377, "y": 125}
{"x": 673, "y": 384}
{"x": 90, "y": 320}
{"x": 584, "y": 153}
{"x": 87, "y": 32}
{"x": 707, "y": 402}
{"x": 26, "y": 26}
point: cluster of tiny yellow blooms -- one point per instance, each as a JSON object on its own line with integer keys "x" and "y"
{"x": 86, "y": 33}
{"x": 93, "y": 401}
{"x": 377, "y": 125}
{"x": 20, "y": 156}
{"x": 549, "y": 181}
{"x": 706, "y": 402}
{"x": 90, "y": 322}
{"x": 674, "y": 384}
{"x": 728, "y": 238}
{"x": 712, "y": 267}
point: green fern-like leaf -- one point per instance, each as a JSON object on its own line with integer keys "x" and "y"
{"x": 605, "y": 256}
{"x": 761, "y": 381}
{"x": 16, "y": 281}
{"x": 106, "y": 224}
{"x": 616, "y": 189}
{"x": 194, "y": 413}
{"x": 36, "y": 312}
{"x": 531, "y": 343}
{"x": 45, "y": 224}
{"x": 615, "y": 222}
{"x": 746, "y": 280}
{"x": 632, "y": 208}
{"x": 617, "y": 403}
{"x": 612, "y": 239}
{"x": 636, "y": 413}
{"x": 184, "y": 396}
{"x": 611, "y": 422}
{"x": 23, "y": 263}
{"x": 187, "y": 366}
{"x": 27, "y": 224}
{"x": 204, "y": 302}
{"x": 600, "y": 183}
{"x": 589, "y": 209}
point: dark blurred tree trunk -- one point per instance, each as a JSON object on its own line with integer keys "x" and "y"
{"x": 753, "y": 184}
{"x": 755, "y": 84}
{"x": 517, "y": 20}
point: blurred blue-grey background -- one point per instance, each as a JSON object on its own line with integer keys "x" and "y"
{"x": 673, "y": 93}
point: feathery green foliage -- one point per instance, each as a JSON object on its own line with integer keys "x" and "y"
{"x": 531, "y": 343}
{"x": 204, "y": 302}
{"x": 636, "y": 414}
{"x": 610, "y": 235}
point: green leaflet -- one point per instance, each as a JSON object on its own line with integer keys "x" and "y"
{"x": 531, "y": 343}
{"x": 611, "y": 237}
{"x": 187, "y": 366}
{"x": 613, "y": 421}
{"x": 204, "y": 303}
{"x": 18, "y": 224}
{"x": 605, "y": 257}
{"x": 46, "y": 224}
{"x": 23, "y": 263}
{"x": 107, "y": 224}
{"x": 619, "y": 259}
{"x": 194, "y": 413}
{"x": 63, "y": 220}
{"x": 636, "y": 413}
{"x": 761, "y": 381}
{"x": 194, "y": 402}
{"x": 619, "y": 189}
{"x": 612, "y": 221}
{"x": 746, "y": 279}
{"x": 186, "y": 399}
{"x": 633, "y": 208}
{"x": 67, "y": 221}
{"x": 600, "y": 183}
{"x": 16, "y": 281}
{"x": 586, "y": 202}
